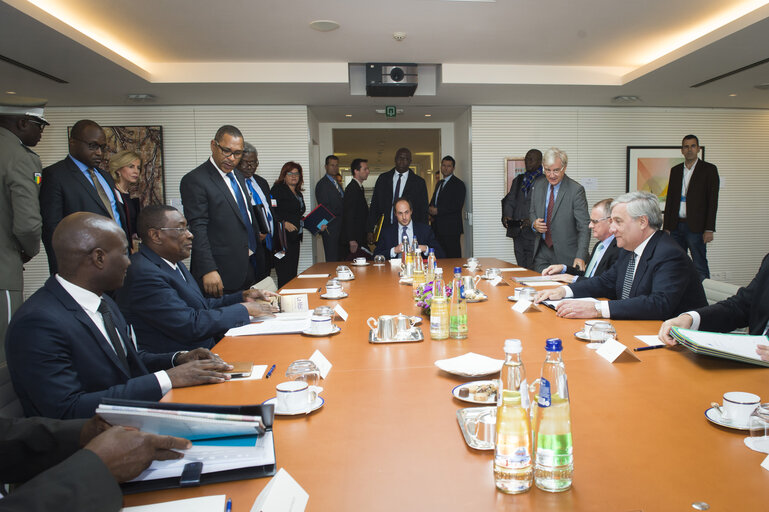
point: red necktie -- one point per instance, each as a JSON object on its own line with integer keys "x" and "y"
{"x": 548, "y": 233}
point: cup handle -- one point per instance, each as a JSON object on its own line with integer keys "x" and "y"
{"x": 476, "y": 280}
{"x": 368, "y": 322}
{"x": 720, "y": 409}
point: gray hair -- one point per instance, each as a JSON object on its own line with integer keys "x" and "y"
{"x": 548, "y": 158}
{"x": 249, "y": 148}
{"x": 641, "y": 204}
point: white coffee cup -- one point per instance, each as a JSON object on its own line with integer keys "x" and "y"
{"x": 320, "y": 324}
{"x": 294, "y": 396}
{"x": 473, "y": 263}
{"x": 588, "y": 326}
{"x": 738, "y": 406}
{"x": 359, "y": 261}
{"x": 333, "y": 288}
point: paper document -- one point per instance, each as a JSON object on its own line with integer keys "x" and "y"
{"x": 283, "y": 323}
{"x": 257, "y": 373}
{"x": 201, "y": 504}
{"x": 740, "y": 347}
{"x": 281, "y": 494}
{"x": 650, "y": 339}
{"x": 312, "y": 276}
{"x": 290, "y": 291}
{"x": 535, "y": 279}
{"x": 543, "y": 283}
{"x": 513, "y": 269}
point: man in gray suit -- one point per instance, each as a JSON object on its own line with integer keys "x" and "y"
{"x": 21, "y": 127}
{"x": 330, "y": 194}
{"x": 558, "y": 212}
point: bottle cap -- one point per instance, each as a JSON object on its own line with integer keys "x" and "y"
{"x": 457, "y": 270}
{"x": 513, "y": 346}
{"x": 431, "y": 250}
{"x": 553, "y": 345}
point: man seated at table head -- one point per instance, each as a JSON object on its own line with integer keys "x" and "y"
{"x": 161, "y": 299}
{"x": 652, "y": 278}
{"x": 604, "y": 253}
{"x": 69, "y": 346}
{"x": 749, "y": 307}
{"x": 391, "y": 239}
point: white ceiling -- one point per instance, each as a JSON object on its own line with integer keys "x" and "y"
{"x": 522, "y": 52}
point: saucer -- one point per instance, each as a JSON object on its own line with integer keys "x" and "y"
{"x": 406, "y": 280}
{"x": 346, "y": 278}
{"x": 333, "y": 331}
{"x": 580, "y": 335}
{"x": 315, "y": 406}
{"x": 714, "y": 416}
{"x": 360, "y": 264}
{"x": 332, "y": 297}
{"x": 512, "y": 298}
{"x": 491, "y": 400}
{"x": 478, "y": 297}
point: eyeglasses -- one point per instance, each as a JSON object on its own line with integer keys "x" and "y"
{"x": 179, "y": 231}
{"x": 38, "y": 122}
{"x": 596, "y": 221}
{"x": 92, "y": 146}
{"x": 553, "y": 172}
{"x": 292, "y": 173}
{"x": 227, "y": 152}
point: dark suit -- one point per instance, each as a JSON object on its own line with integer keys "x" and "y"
{"x": 264, "y": 224}
{"x": 515, "y": 206}
{"x": 170, "y": 313}
{"x": 354, "y": 218}
{"x": 447, "y": 224}
{"x": 221, "y": 236}
{"x": 62, "y": 366}
{"x": 665, "y": 283}
{"x": 327, "y": 193}
{"x": 390, "y": 238}
{"x": 415, "y": 191}
{"x": 607, "y": 260}
{"x": 570, "y": 233}
{"x": 65, "y": 189}
{"x": 749, "y": 307}
{"x": 290, "y": 209}
{"x": 59, "y": 475}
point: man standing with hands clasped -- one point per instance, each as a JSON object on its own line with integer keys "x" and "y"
{"x": 446, "y": 209}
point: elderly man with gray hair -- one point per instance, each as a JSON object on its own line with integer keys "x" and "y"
{"x": 653, "y": 279}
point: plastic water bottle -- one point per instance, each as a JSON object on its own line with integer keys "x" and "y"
{"x": 512, "y": 449}
{"x": 431, "y": 264}
{"x": 418, "y": 274}
{"x": 554, "y": 460}
{"x": 458, "y": 322}
{"x": 513, "y": 376}
{"x": 439, "y": 309}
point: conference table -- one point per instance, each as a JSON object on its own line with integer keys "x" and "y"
{"x": 387, "y": 437}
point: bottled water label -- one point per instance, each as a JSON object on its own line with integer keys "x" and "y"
{"x": 544, "y": 392}
{"x": 520, "y": 459}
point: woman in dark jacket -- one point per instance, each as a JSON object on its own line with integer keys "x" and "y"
{"x": 287, "y": 192}
{"x": 125, "y": 167}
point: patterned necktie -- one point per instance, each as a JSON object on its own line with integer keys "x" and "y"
{"x": 109, "y": 325}
{"x": 594, "y": 259}
{"x": 629, "y": 275}
{"x": 437, "y": 192}
{"x": 396, "y": 196}
{"x": 405, "y": 235}
{"x": 548, "y": 233}
{"x": 102, "y": 194}
{"x": 243, "y": 211}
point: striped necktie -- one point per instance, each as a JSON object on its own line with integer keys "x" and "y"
{"x": 629, "y": 274}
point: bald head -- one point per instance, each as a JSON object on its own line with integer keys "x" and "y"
{"x": 91, "y": 251}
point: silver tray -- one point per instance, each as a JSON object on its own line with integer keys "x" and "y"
{"x": 416, "y": 331}
{"x": 469, "y": 416}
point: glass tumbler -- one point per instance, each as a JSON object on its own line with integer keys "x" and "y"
{"x": 304, "y": 370}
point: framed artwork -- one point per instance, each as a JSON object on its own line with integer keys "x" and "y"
{"x": 513, "y": 167}
{"x": 648, "y": 168}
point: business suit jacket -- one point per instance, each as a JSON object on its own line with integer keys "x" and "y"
{"x": 415, "y": 191}
{"x": 354, "y": 218}
{"x": 65, "y": 190}
{"x": 327, "y": 194}
{"x": 748, "y": 307}
{"x": 390, "y": 237}
{"x": 62, "y": 366}
{"x": 288, "y": 208}
{"x": 571, "y": 236}
{"x": 448, "y": 221}
{"x": 168, "y": 312}
{"x": 665, "y": 283}
{"x": 60, "y": 476}
{"x": 607, "y": 260}
{"x": 20, "y": 221}
{"x": 701, "y": 197}
{"x": 221, "y": 236}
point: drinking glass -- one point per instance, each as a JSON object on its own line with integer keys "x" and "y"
{"x": 600, "y": 332}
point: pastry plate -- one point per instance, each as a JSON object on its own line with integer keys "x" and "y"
{"x": 467, "y": 419}
{"x": 335, "y": 330}
{"x": 406, "y": 280}
{"x": 492, "y": 399}
{"x": 315, "y": 406}
{"x": 478, "y": 297}
{"x": 714, "y": 416}
{"x": 332, "y": 297}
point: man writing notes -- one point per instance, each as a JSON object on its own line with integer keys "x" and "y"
{"x": 515, "y": 209}
{"x": 398, "y": 182}
{"x": 604, "y": 252}
{"x": 558, "y": 212}
{"x": 748, "y": 308}
{"x": 446, "y": 209}
{"x": 69, "y": 346}
{"x": 330, "y": 194}
{"x": 355, "y": 217}
{"x": 160, "y": 298}
{"x": 691, "y": 204}
{"x": 652, "y": 278}
{"x": 391, "y": 242}
{"x": 224, "y": 250}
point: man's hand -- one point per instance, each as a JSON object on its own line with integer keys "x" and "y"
{"x": 423, "y": 248}
{"x": 93, "y": 428}
{"x": 554, "y": 269}
{"x": 505, "y": 220}
{"x": 564, "y": 278}
{"x": 432, "y": 210}
{"x": 260, "y": 308}
{"x": 253, "y": 294}
{"x": 212, "y": 284}
{"x": 323, "y": 228}
{"x": 579, "y": 263}
{"x": 707, "y": 237}
{"x": 127, "y": 453}
{"x": 763, "y": 352}
{"x": 289, "y": 227}
{"x": 398, "y": 249}
{"x": 205, "y": 371}
{"x": 683, "y": 320}
{"x": 550, "y": 294}
{"x": 577, "y": 309}
{"x": 198, "y": 354}
{"x": 262, "y": 236}
{"x": 353, "y": 246}
{"x": 540, "y": 225}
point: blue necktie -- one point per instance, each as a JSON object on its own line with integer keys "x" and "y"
{"x": 243, "y": 212}
{"x": 268, "y": 238}
{"x": 396, "y": 196}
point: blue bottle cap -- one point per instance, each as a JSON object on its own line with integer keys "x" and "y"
{"x": 553, "y": 345}
{"x": 457, "y": 270}
{"x": 431, "y": 250}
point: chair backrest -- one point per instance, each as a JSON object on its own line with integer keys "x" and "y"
{"x": 10, "y": 407}
{"x": 716, "y": 291}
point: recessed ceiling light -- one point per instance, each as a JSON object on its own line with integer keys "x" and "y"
{"x": 324, "y": 25}
{"x": 399, "y": 36}
{"x": 732, "y": 95}
{"x": 763, "y": 86}
{"x": 10, "y": 92}
{"x": 428, "y": 115}
{"x": 348, "y": 115}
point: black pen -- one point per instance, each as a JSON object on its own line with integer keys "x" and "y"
{"x": 650, "y": 347}
{"x": 269, "y": 372}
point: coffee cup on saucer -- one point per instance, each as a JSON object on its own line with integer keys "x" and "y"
{"x": 359, "y": 261}
{"x": 295, "y": 396}
{"x": 343, "y": 272}
{"x": 320, "y": 324}
{"x": 473, "y": 263}
{"x": 738, "y": 406}
{"x": 526, "y": 293}
{"x": 491, "y": 273}
{"x": 333, "y": 288}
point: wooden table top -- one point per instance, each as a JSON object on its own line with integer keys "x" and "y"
{"x": 387, "y": 438}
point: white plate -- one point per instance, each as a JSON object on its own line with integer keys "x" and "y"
{"x": 406, "y": 280}
{"x": 491, "y": 400}
{"x": 332, "y": 297}
{"x": 335, "y": 330}
{"x": 360, "y": 264}
{"x": 714, "y": 416}
{"x": 345, "y": 278}
{"x": 470, "y": 365}
{"x": 481, "y": 297}
{"x": 315, "y": 406}
{"x": 512, "y": 298}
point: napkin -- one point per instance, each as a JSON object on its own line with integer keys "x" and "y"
{"x": 758, "y": 444}
{"x": 470, "y": 365}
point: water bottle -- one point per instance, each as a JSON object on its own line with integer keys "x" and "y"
{"x": 418, "y": 275}
{"x": 554, "y": 461}
{"x": 512, "y": 449}
{"x": 458, "y": 321}
{"x": 439, "y": 309}
{"x": 513, "y": 376}
{"x": 431, "y": 264}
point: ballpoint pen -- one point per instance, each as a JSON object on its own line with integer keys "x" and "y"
{"x": 229, "y": 505}
{"x": 269, "y": 372}
{"x": 650, "y": 347}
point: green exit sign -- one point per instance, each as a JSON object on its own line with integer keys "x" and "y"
{"x": 390, "y": 111}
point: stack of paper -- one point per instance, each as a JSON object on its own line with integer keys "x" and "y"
{"x": 737, "y": 347}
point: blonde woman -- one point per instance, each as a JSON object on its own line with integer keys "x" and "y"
{"x": 125, "y": 167}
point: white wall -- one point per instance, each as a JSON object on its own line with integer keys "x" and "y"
{"x": 596, "y": 139}
{"x": 280, "y": 134}
{"x": 464, "y": 171}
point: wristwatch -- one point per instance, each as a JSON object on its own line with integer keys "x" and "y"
{"x": 173, "y": 359}
{"x": 599, "y": 309}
